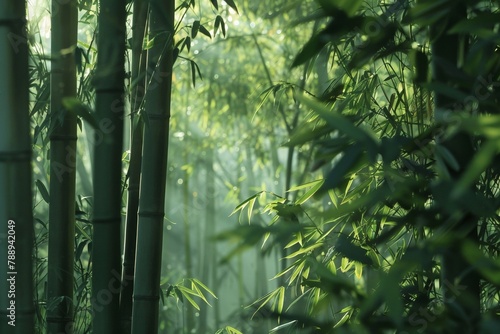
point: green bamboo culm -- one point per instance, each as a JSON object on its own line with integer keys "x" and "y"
{"x": 63, "y": 136}
{"x": 447, "y": 51}
{"x": 138, "y": 80}
{"x": 107, "y": 177}
{"x": 16, "y": 218}
{"x": 154, "y": 169}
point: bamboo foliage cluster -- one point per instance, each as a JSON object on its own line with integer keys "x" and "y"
{"x": 399, "y": 234}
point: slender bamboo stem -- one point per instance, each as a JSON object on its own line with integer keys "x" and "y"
{"x": 63, "y": 138}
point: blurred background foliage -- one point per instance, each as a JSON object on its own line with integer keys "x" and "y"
{"x": 310, "y": 186}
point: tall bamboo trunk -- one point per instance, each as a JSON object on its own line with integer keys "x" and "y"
{"x": 460, "y": 283}
{"x": 154, "y": 169}
{"x": 134, "y": 172}
{"x": 64, "y": 21}
{"x": 109, "y": 86}
{"x": 16, "y": 220}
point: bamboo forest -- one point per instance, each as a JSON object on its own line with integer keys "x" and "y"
{"x": 249, "y": 166}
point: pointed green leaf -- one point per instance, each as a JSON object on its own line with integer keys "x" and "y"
{"x": 342, "y": 169}
{"x": 74, "y": 105}
{"x": 309, "y": 50}
{"x": 343, "y": 320}
{"x": 475, "y": 25}
{"x": 195, "y": 28}
{"x": 285, "y": 325}
{"x": 231, "y": 4}
{"x": 338, "y": 121}
{"x": 308, "y": 194}
{"x": 346, "y": 247}
{"x": 193, "y": 73}
{"x": 243, "y": 204}
{"x": 476, "y": 167}
{"x": 187, "y": 43}
{"x": 200, "y": 283}
{"x": 43, "y": 191}
{"x": 204, "y": 31}
{"x": 281, "y": 299}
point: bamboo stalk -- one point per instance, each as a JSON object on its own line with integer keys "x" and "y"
{"x": 154, "y": 169}
{"x": 16, "y": 219}
{"x": 136, "y": 134}
{"x": 64, "y": 20}
{"x": 107, "y": 178}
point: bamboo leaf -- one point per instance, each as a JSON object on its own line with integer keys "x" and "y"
{"x": 358, "y": 269}
{"x": 215, "y": 4}
{"x": 280, "y": 327}
{"x": 281, "y": 299}
{"x": 264, "y": 300}
{"x": 193, "y": 73}
{"x": 179, "y": 294}
{"x": 43, "y": 191}
{"x": 303, "y": 250}
{"x": 195, "y": 28}
{"x": 243, "y": 204}
{"x": 204, "y": 31}
{"x": 250, "y": 208}
{"x": 79, "y": 249}
{"x": 475, "y": 25}
{"x": 308, "y": 194}
{"x": 200, "y": 283}
{"x": 76, "y": 106}
{"x": 428, "y": 12}
{"x": 187, "y": 43}
{"x": 342, "y": 169}
{"x": 338, "y": 121}
{"x": 346, "y": 247}
{"x": 199, "y": 293}
{"x": 343, "y": 320}
{"x": 186, "y": 293}
{"x": 296, "y": 272}
{"x": 228, "y": 330}
{"x": 219, "y": 23}
{"x": 476, "y": 167}
{"x": 231, "y": 4}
